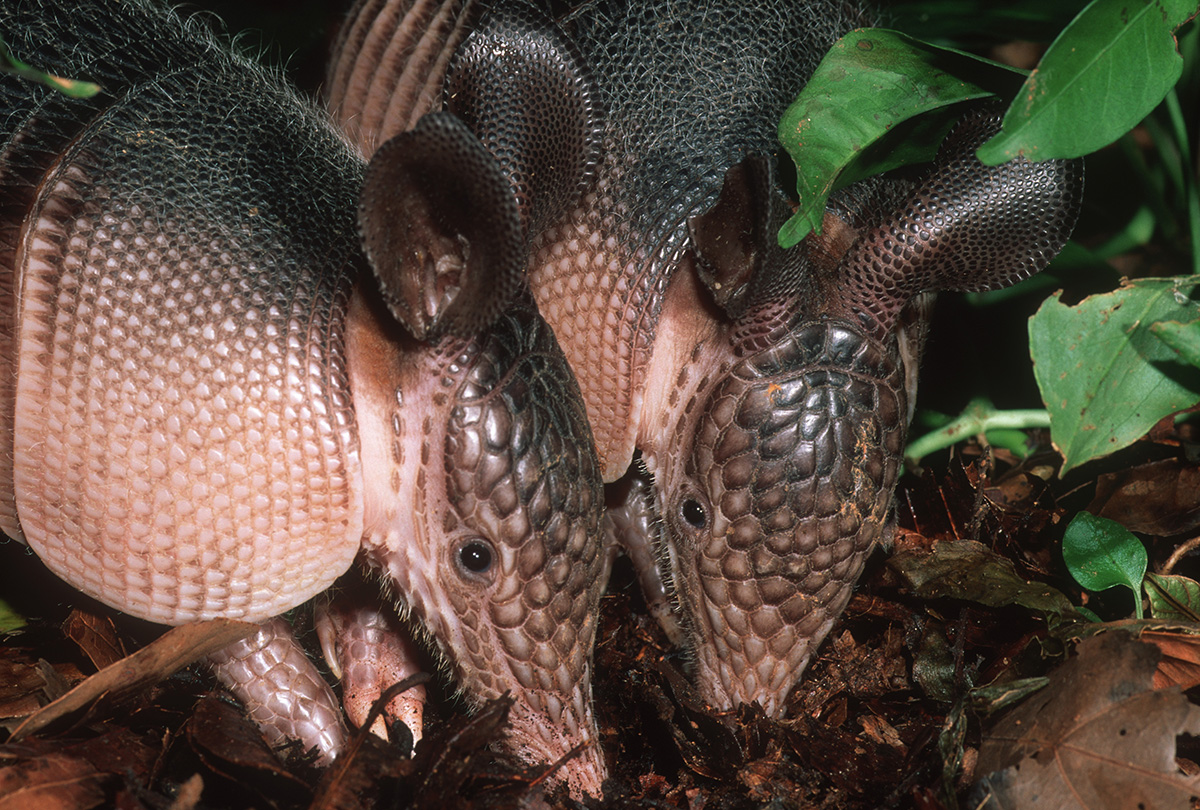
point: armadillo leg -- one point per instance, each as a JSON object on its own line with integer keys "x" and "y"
{"x": 366, "y": 646}
{"x": 630, "y": 524}
{"x": 282, "y": 689}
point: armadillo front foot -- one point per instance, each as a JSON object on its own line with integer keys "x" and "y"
{"x": 282, "y": 689}
{"x": 365, "y": 645}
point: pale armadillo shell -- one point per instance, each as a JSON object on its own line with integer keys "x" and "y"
{"x": 183, "y": 440}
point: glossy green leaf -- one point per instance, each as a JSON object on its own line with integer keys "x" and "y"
{"x": 866, "y": 88}
{"x": 1101, "y": 553}
{"x": 1104, "y": 376}
{"x": 1184, "y": 338}
{"x": 1174, "y": 598}
{"x": 1107, "y": 70}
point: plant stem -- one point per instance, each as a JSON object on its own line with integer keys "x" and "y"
{"x": 979, "y": 417}
{"x": 1186, "y": 179}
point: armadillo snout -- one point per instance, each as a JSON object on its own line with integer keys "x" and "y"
{"x": 787, "y": 487}
{"x": 507, "y": 574}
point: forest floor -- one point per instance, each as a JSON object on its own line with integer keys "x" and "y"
{"x": 961, "y": 667}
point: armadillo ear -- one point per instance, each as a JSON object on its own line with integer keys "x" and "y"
{"x": 440, "y": 228}
{"x": 521, "y": 87}
{"x": 392, "y": 57}
{"x": 965, "y": 227}
{"x": 737, "y": 255}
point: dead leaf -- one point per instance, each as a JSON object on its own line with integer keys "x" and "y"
{"x": 172, "y": 651}
{"x": 1180, "y": 663}
{"x": 96, "y": 636}
{"x": 704, "y": 739}
{"x": 967, "y": 570}
{"x": 1161, "y": 498}
{"x": 1099, "y": 737}
{"x": 52, "y": 782}
{"x": 229, "y": 744}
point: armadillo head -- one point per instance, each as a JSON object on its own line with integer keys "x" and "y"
{"x": 771, "y": 406}
{"x": 484, "y": 498}
{"x": 778, "y": 479}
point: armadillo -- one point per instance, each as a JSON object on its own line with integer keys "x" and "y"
{"x": 237, "y": 358}
{"x": 767, "y": 391}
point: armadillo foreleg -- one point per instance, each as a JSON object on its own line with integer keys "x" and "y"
{"x": 282, "y": 689}
{"x": 365, "y": 645}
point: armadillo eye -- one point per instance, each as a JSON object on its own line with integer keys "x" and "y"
{"x": 476, "y": 556}
{"x": 693, "y": 513}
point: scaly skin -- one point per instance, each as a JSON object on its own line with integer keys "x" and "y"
{"x": 282, "y": 689}
{"x": 767, "y": 391}
{"x": 214, "y": 413}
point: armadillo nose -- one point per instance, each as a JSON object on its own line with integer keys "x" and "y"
{"x": 582, "y": 771}
{"x": 570, "y": 744}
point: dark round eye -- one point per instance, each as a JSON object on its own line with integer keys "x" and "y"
{"x": 476, "y": 556}
{"x": 693, "y": 513}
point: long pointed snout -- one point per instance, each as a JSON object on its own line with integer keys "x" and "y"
{"x": 560, "y": 734}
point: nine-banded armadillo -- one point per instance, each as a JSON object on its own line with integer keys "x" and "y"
{"x": 768, "y": 391}
{"x": 208, "y": 408}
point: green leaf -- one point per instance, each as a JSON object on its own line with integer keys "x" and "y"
{"x": 1174, "y": 598}
{"x": 10, "y": 620}
{"x": 1104, "y": 376}
{"x": 1101, "y": 553}
{"x": 68, "y": 87}
{"x": 871, "y": 83}
{"x": 1012, "y": 440}
{"x": 1184, "y": 338}
{"x": 968, "y": 570}
{"x": 1107, "y": 70}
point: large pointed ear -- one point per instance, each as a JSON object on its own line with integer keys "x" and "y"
{"x": 737, "y": 255}
{"x": 521, "y": 86}
{"x": 440, "y": 228}
{"x": 964, "y": 227}
{"x": 389, "y": 64}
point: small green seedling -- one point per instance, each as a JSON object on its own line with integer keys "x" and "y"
{"x": 1000, "y": 428}
{"x": 1101, "y": 553}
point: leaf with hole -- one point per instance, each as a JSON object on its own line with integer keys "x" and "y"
{"x": 1105, "y": 377}
{"x": 1098, "y": 737}
{"x": 859, "y": 113}
{"x": 1103, "y": 74}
